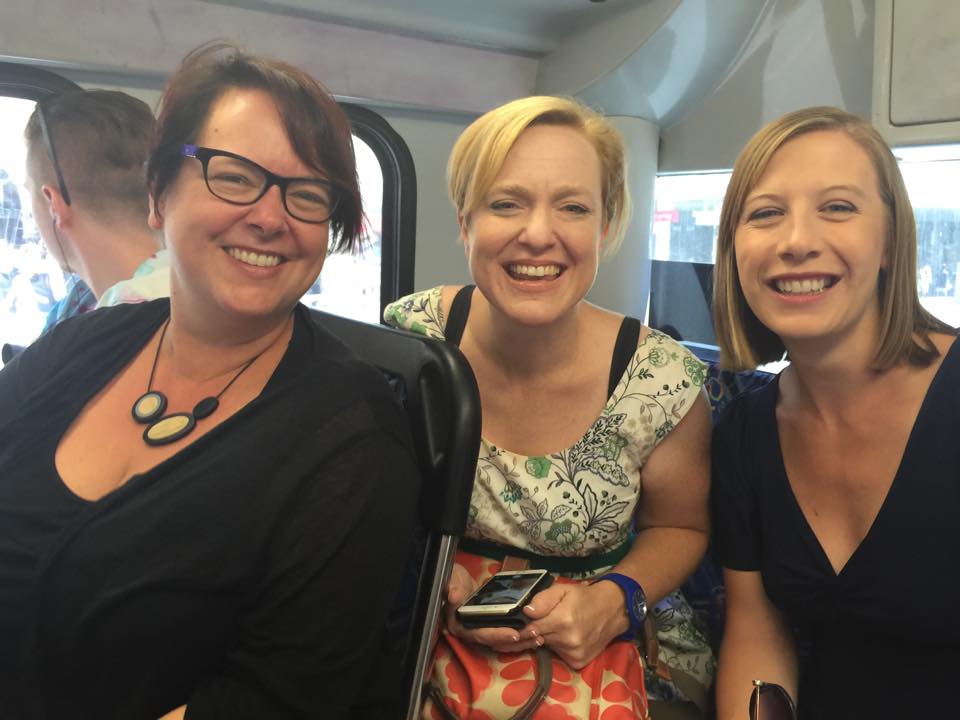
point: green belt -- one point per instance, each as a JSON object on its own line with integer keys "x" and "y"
{"x": 559, "y": 565}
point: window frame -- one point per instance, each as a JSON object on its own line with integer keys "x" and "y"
{"x": 30, "y": 83}
{"x": 399, "y": 225}
{"x": 26, "y": 82}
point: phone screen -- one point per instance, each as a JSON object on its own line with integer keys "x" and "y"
{"x": 505, "y": 589}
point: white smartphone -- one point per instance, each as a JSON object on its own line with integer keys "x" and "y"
{"x": 499, "y": 601}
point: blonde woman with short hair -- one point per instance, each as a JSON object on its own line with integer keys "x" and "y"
{"x": 594, "y": 461}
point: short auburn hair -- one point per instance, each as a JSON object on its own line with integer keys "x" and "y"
{"x": 317, "y": 126}
{"x": 905, "y": 326}
{"x": 482, "y": 148}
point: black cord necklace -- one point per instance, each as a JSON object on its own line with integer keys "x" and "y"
{"x": 149, "y": 407}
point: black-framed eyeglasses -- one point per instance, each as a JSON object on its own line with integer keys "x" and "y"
{"x": 770, "y": 701}
{"x": 240, "y": 181}
{"x": 51, "y": 152}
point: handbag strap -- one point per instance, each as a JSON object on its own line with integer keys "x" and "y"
{"x": 525, "y": 711}
{"x": 544, "y": 680}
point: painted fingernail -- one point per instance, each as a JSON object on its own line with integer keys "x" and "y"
{"x": 515, "y": 638}
{"x": 533, "y": 632}
{"x": 539, "y": 641}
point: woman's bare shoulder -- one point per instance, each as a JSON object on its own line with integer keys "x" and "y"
{"x": 607, "y": 322}
{"x": 943, "y": 341}
{"x": 447, "y": 293}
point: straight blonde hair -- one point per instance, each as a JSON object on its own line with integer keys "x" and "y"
{"x": 905, "y": 326}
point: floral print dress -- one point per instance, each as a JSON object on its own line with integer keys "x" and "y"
{"x": 581, "y": 501}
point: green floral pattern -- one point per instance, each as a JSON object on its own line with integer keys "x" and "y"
{"x": 581, "y": 500}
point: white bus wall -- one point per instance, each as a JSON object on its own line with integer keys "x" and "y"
{"x": 802, "y": 52}
{"x": 623, "y": 281}
{"x": 148, "y": 38}
{"x": 430, "y": 136}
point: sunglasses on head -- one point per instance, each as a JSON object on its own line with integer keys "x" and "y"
{"x": 51, "y": 151}
{"x": 770, "y": 701}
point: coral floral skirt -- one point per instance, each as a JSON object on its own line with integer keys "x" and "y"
{"x": 480, "y": 684}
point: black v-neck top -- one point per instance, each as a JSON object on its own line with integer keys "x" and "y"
{"x": 246, "y": 576}
{"x": 881, "y": 638}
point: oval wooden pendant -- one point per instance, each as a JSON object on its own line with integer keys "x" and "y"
{"x": 205, "y": 407}
{"x": 149, "y": 406}
{"x": 169, "y": 429}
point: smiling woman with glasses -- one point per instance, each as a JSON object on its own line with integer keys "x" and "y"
{"x": 187, "y": 486}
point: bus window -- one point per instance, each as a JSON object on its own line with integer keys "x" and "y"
{"x": 350, "y": 283}
{"x": 685, "y": 222}
{"x": 687, "y": 215}
{"x": 30, "y": 279}
{"x": 931, "y": 176}
{"x": 360, "y": 286}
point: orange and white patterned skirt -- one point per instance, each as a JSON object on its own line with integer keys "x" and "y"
{"x": 478, "y": 683}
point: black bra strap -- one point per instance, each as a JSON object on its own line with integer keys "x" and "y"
{"x": 457, "y": 316}
{"x": 625, "y": 348}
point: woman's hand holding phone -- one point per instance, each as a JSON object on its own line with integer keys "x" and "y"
{"x": 577, "y": 620}
{"x": 500, "y": 639}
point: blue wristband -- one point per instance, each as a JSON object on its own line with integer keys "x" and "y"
{"x": 635, "y": 599}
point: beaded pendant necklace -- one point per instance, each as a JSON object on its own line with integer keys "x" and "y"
{"x": 164, "y": 429}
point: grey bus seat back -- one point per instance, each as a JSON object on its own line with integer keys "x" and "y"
{"x": 437, "y": 388}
